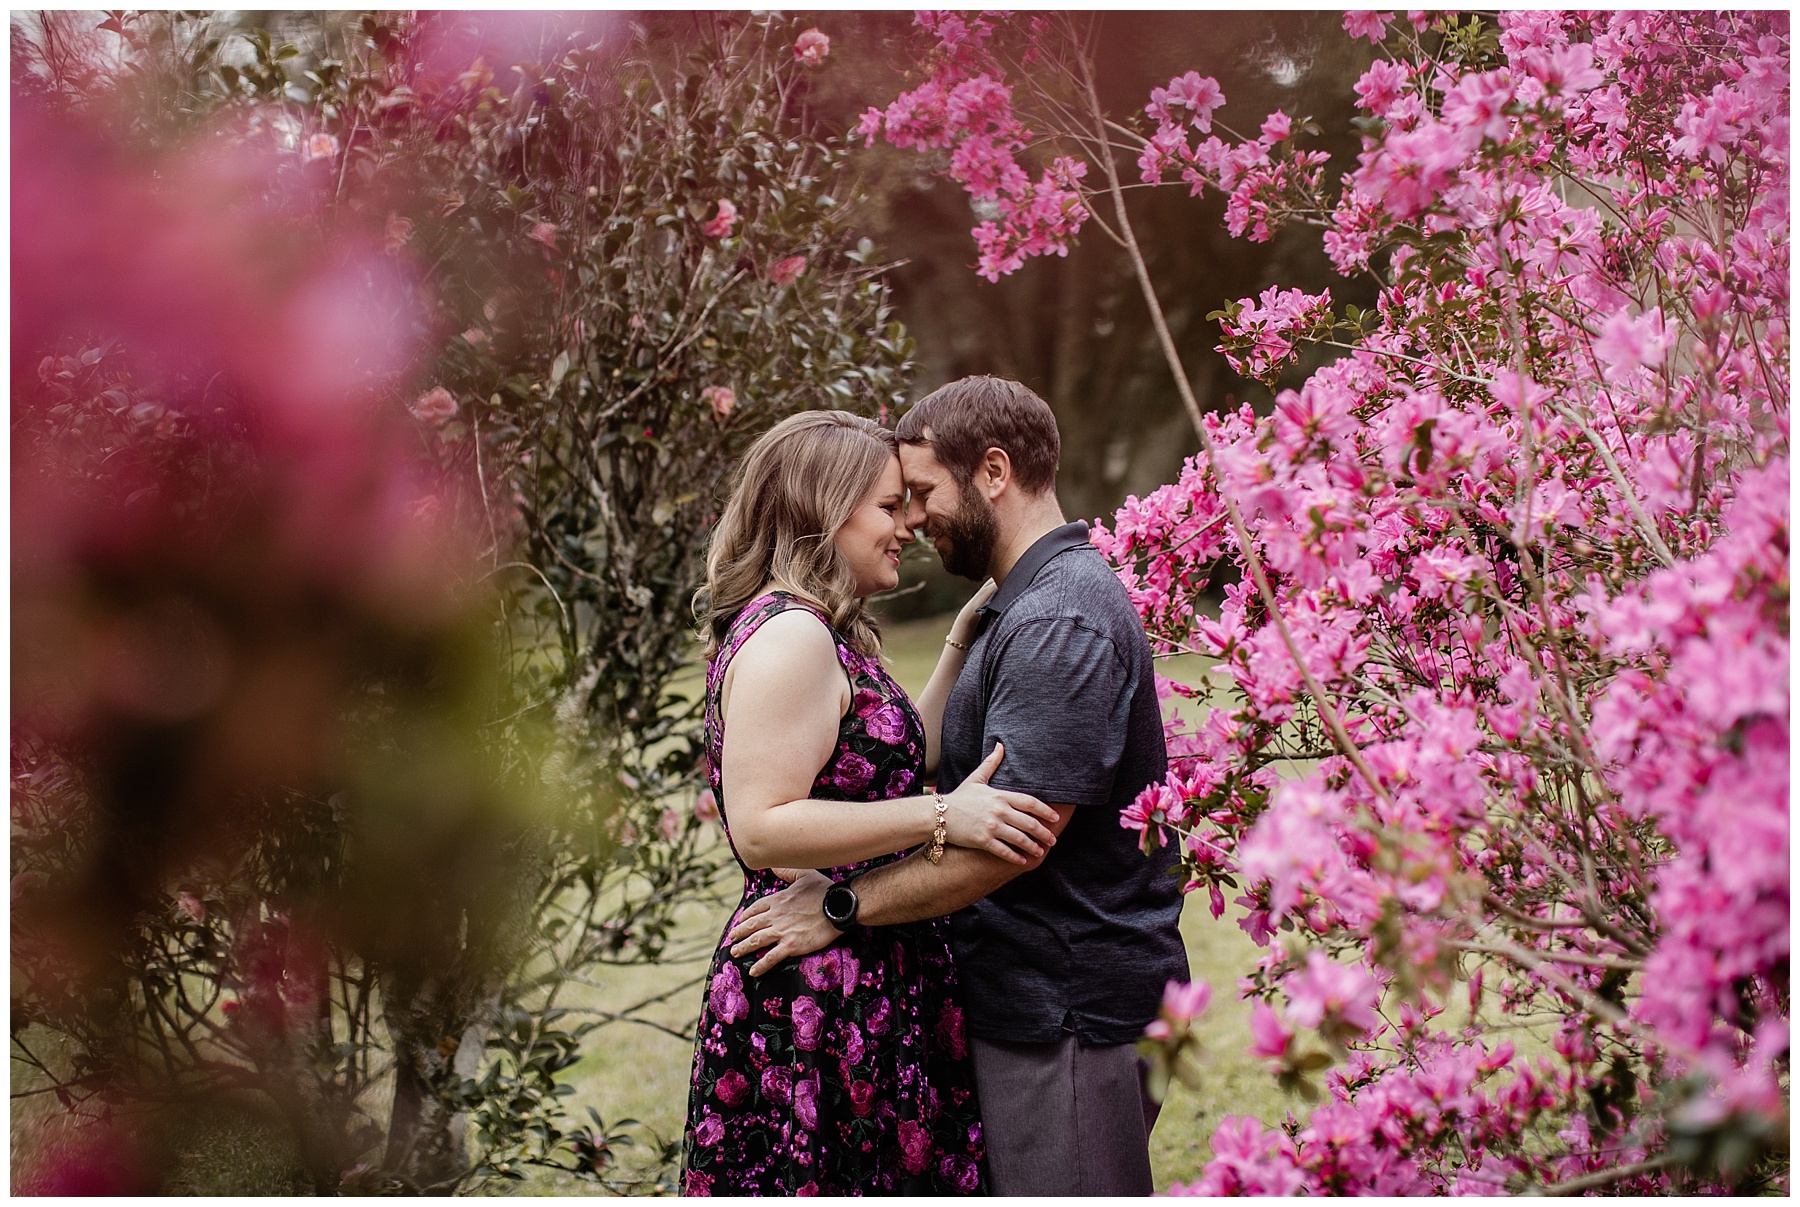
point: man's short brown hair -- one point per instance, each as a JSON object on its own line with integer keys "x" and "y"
{"x": 968, "y": 417}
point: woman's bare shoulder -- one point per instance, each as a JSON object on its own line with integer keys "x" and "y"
{"x": 789, "y": 662}
{"x": 793, "y": 640}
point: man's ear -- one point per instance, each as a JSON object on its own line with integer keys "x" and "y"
{"x": 994, "y": 474}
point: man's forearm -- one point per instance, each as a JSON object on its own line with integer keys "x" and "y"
{"x": 914, "y": 888}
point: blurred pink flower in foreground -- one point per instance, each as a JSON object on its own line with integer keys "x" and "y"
{"x": 1181, "y": 1004}
{"x": 1186, "y": 1002}
{"x": 785, "y": 272}
{"x": 1269, "y": 1036}
{"x": 545, "y": 233}
{"x": 720, "y": 399}
{"x": 321, "y": 146}
{"x": 722, "y": 222}
{"x": 811, "y": 47}
{"x": 1329, "y": 990}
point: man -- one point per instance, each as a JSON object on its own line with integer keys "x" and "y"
{"x": 1061, "y": 965}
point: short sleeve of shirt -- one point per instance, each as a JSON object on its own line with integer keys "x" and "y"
{"x": 1061, "y": 703}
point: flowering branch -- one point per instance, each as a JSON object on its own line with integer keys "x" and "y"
{"x": 1546, "y": 669}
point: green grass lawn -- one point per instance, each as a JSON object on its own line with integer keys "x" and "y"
{"x": 638, "y": 1072}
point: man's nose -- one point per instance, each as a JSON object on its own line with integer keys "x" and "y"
{"x": 915, "y": 513}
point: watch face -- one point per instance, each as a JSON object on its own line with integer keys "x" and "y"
{"x": 840, "y": 904}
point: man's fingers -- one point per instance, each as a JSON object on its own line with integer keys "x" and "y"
{"x": 750, "y": 922}
{"x": 770, "y": 960}
{"x": 753, "y": 940}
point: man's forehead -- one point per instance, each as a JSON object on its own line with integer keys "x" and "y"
{"x": 920, "y": 460}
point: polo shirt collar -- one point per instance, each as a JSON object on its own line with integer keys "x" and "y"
{"x": 1072, "y": 535}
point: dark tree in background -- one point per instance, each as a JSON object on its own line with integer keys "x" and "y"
{"x": 1075, "y": 329}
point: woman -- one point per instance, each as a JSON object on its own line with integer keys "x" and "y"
{"x": 845, "y": 1072}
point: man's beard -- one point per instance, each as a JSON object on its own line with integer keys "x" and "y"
{"x": 969, "y": 536}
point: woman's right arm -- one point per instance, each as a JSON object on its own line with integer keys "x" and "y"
{"x": 783, "y": 697}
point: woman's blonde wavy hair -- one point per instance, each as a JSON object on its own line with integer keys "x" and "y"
{"x": 797, "y": 486}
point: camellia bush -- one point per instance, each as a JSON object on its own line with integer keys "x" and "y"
{"x": 1495, "y": 765}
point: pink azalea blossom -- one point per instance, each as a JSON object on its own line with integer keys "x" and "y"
{"x": 1269, "y": 1036}
{"x": 321, "y": 146}
{"x": 1380, "y": 86}
{"x": 1328, "y": 990}
{"x": 1198, "y": 95}
{"x": 1367, "y": 24}
{"x": 1627, "y": 341}
{"x": 1185, "y": 1002}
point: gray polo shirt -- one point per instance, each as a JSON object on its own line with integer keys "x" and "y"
{"x": 1061, "y": 672}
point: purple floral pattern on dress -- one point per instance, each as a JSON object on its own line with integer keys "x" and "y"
{"x": 845, "y": 1072}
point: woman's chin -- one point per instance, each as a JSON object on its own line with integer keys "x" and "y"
{"x": 880, "y": 586}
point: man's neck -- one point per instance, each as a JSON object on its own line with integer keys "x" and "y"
{"x": 1037, "y": 518}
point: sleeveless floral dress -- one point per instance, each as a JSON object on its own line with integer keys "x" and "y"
{"x": 845, "y": 1072}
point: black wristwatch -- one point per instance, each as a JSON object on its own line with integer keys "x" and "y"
{"x": 840, "y": 905}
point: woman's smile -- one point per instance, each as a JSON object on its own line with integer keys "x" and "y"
{"x": 871, "y": 539}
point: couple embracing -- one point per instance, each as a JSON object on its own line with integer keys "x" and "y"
{"x": 949, "y": 1003}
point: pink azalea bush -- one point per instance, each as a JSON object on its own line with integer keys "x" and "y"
{"x": 1498, "y": 735}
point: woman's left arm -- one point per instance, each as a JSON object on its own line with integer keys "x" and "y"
{"x": 950, "y": 663}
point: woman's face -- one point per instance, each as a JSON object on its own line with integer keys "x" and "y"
{"x": 870, "y": 539}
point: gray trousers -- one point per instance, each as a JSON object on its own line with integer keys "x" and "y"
{"x": 1064, "y": 1118}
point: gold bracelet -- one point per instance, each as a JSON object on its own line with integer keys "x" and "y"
{"x": 939, "y": 833}
{"x": 953, "y": 643}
